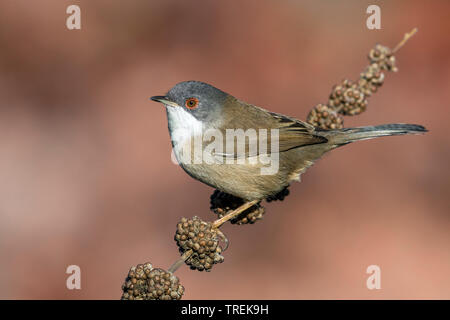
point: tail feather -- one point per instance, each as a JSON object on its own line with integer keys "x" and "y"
{"x": 347, "y": 135}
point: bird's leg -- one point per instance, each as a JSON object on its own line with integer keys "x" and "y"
{"x": 233, "y": 214}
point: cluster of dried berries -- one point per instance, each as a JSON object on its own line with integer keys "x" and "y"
{"x": 147, "y": 283}
{"x": 350, "y": 98}
{"x": 372, "y": 78}
{"x": 200, "y": 237}
{"x": 384, "y": 57}
{"x": 222, "y": 203}
{"x": 324, "y": 117}
{"x": 347, "y": 99}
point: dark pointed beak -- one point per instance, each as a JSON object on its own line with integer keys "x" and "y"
{"x": 164, "y": 100}
{"x": 159, "y": 98}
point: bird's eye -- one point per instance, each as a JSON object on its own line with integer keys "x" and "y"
{"x": 191, "y": 103}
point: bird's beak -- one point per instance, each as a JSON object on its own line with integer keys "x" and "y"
{"x": 164, "y": 100}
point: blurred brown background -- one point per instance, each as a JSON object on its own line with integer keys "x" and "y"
{"x": 85, "y": 170}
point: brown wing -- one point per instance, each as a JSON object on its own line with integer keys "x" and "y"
{"x": 292, "y": 133}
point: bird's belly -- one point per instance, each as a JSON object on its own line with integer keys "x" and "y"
{"x": 242, "y": 181}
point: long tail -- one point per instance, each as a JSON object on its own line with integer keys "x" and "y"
{"x": 347, "y": 135}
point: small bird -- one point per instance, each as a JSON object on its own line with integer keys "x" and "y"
{"x": 195, "y": 107}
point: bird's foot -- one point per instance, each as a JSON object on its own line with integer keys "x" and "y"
{"x": 222, "y": 203}
{"x": 234, "y": 213}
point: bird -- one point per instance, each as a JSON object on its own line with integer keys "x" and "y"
{"x": 195, "y": 108}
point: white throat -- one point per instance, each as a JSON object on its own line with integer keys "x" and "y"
{"x": 182, "y": 126}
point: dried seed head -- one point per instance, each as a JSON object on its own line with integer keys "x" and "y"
{"x": 199, "y": 236}
{"x": 337, "y": 93}
{"x": 354, "y": 102}
{"x": 222, "y": 203}
{"x": 325, "y": 117}
{"x": 384, "y": 57}
{"x": 373, "y": 74}
{"x": 367, "y": 87}
{"x": 346, "y": 98}
{"x": 163, "y": 285}
{"x": 147, "y": 283}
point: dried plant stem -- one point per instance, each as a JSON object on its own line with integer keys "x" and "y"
{"x": 224, "y": 238}
{"x": 406, "y": 37}
{"x": 174, "y": 267}
{"x": 232, "y": 214}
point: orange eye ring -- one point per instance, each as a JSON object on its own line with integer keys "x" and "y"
{"x": 191, "y": 103}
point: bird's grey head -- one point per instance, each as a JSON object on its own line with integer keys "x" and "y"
{"x": 198, "y": 99}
